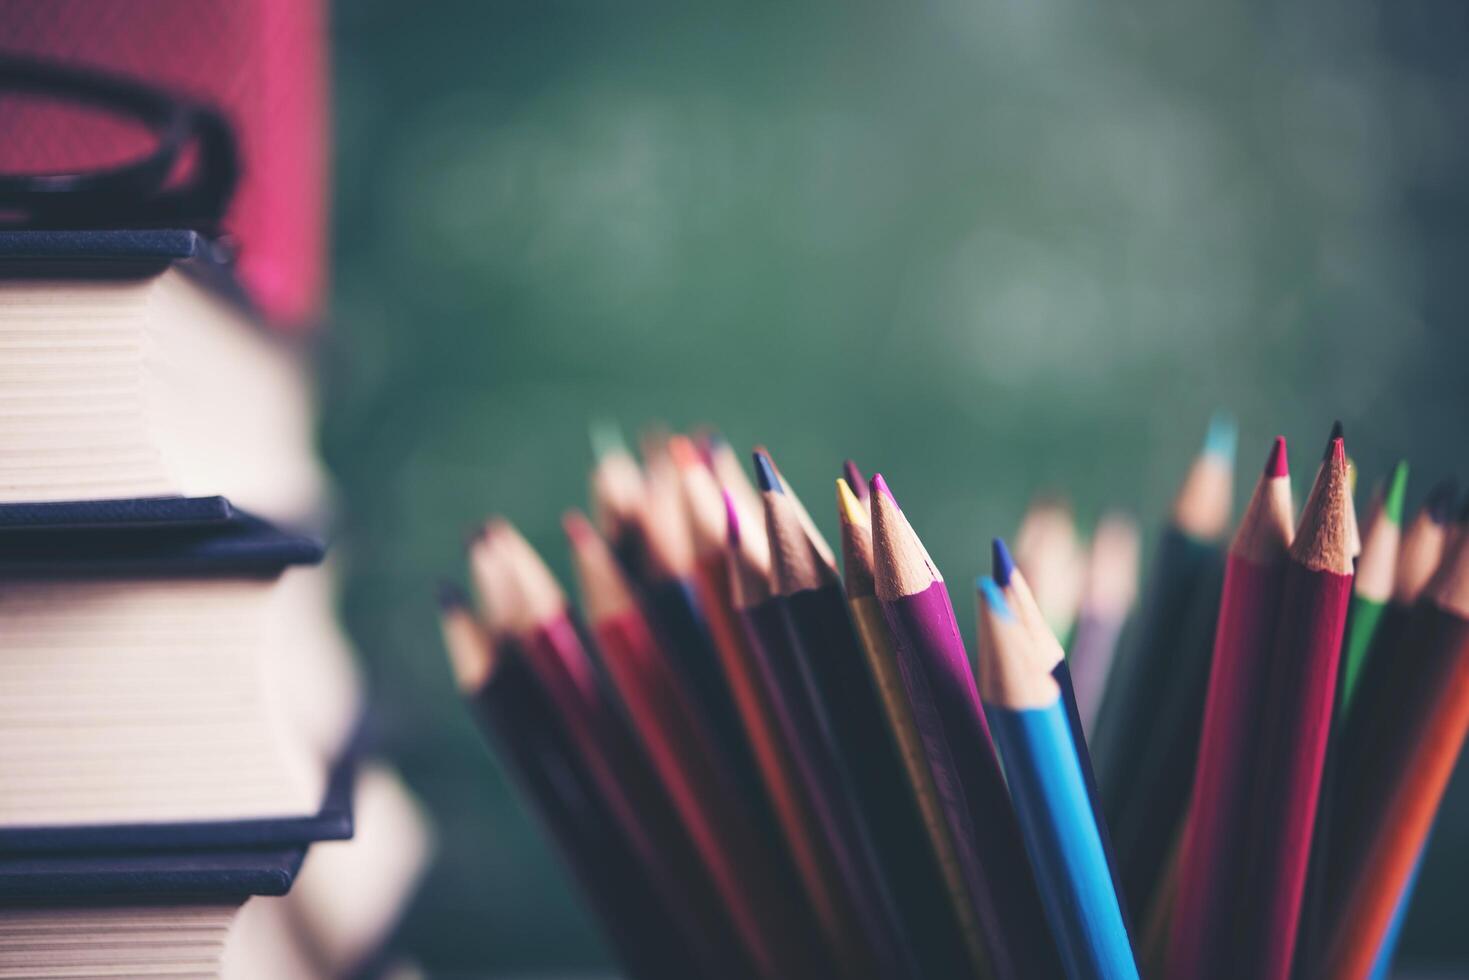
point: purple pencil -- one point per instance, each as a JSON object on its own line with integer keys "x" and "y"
{"x": 956, "y": 740}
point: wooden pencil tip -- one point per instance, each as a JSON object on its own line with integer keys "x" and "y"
{"x": 849, "y": 507}
{"x": 1335, "y": 434}
{"x": 578, "y": 529}
{"x": 855, "y": 482}
{"x": 685, "y": 454}
{"x": 1338, "y": 452}
{"x": 1002, "y": 565}
{"x": 1440, "y": 502}
{"x": 765, "y": 476}
{"x": 1222, "y": 437}
{"x": 731, "y": 518}
{"x": 1277, "y": 464}
{"x": 1397, "y": 491}
{"x": 989, "y": 591}
{"x": 880, "y": 486}
{"x": 606, "y": 438}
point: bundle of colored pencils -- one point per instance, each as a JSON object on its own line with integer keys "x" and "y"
{"x": 762, "y": 758}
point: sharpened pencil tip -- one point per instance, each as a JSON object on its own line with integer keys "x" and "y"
{"x": 765, "y": 477}
{"x": 606, "y": 438}
{"x": 1338, "y": 452}
{"x": 1277, "y": 464}
{"x": 1221, "y": 437}
{"x": 731, "y": 518}
{"x": 852, "y": 509}
{"x": 1002, "y": 566}
{"x": 879, "y": 485}
{"x": 578, "y": 529}
{"x": 993, "y": 597}
{"x": 1397, "y": 490}
{"x": 855, "y": 482}
{"x": 451, "y": 597}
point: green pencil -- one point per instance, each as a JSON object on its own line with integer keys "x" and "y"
{"x": 1373, "y": 587}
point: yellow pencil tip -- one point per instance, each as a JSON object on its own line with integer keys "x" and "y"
{"x": 853, "y": 512}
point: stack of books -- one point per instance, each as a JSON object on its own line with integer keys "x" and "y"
{"x": 179, "y": 709}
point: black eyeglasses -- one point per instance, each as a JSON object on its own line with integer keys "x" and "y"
{"x": 132, "y": 194}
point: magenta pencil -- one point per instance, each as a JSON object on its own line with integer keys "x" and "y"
{"x": 956, "y": 739}
{"x": 1208, "y": 879}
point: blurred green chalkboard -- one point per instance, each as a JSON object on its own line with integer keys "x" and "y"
{"x": 986, "y": 247}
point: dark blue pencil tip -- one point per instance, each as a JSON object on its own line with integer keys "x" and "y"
{"x": 765, "y": 476}
{"x": 993, "y": 597}
{"x": 1002, "y": 566}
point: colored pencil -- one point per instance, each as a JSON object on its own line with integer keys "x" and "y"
{"x": 525, "y": 603}
{"x": 1108, "y": 593}
{"x": 1207, "y": 899}
{"x": 758, "y": 712}
{"x": 667, "y": 587}
{"x": 746, "y": 875}
{"x": 1169, "y": 629}
{"x": 877, "y": 644}
{"x": 846, "y": 848}
{"x": 1148, "y": 726}
{"x": 1299, "y": 696}
{"x": 1034, "y": 736}
{"x": 1416, "y": 726}
{"x": 845, "y": 693}
{"x": 617, "y": 493}
{"x": 944, "y": 699}
{"x": 1372, "y": 590}
{"x": 536, "y": 754}
{"x": 1048, "y": 551}
{"x": 1015, "y": 588}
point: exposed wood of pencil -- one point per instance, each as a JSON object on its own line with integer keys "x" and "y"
{"x": 877, "y": 643}
{"x": 944, "y": 698}
{"x": 535, "y": 751}
{"x": 1173, "y": 636}
{"x": 1208, "y": 870}
{"x": 846, "y": 695}
{"x": 1201, "y": 509}
{"x": 1045, "y": 779}
{"x": 1048, "y": 550}
{"x": 846, "y": 854}
{"x": 1051, "y": 658}
{"x": 1422, "y": 549}
{"x": 818, "y": 541}
{"x": 1300, "y": 693}
{"x": 1417, "y": 740}
{"x": 681, "y": 750}
{"x": 710, "y": 522}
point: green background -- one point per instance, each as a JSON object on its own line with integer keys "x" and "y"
{"x": 987, "y": 248}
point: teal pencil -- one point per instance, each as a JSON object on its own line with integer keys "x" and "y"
{"x": 1033, "y": 736}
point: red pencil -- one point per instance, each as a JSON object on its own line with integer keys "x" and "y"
{"x": 1299, "y": 695}
{"x": 1204, "y": 914}
{"x": 523, "y": 602}
{"x": 1416, "y": 725}
{"x": 775, "y": 929}
{"x": 758, "y": 712}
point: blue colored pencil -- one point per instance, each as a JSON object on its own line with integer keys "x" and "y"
{"x": 1033, "y": 735}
